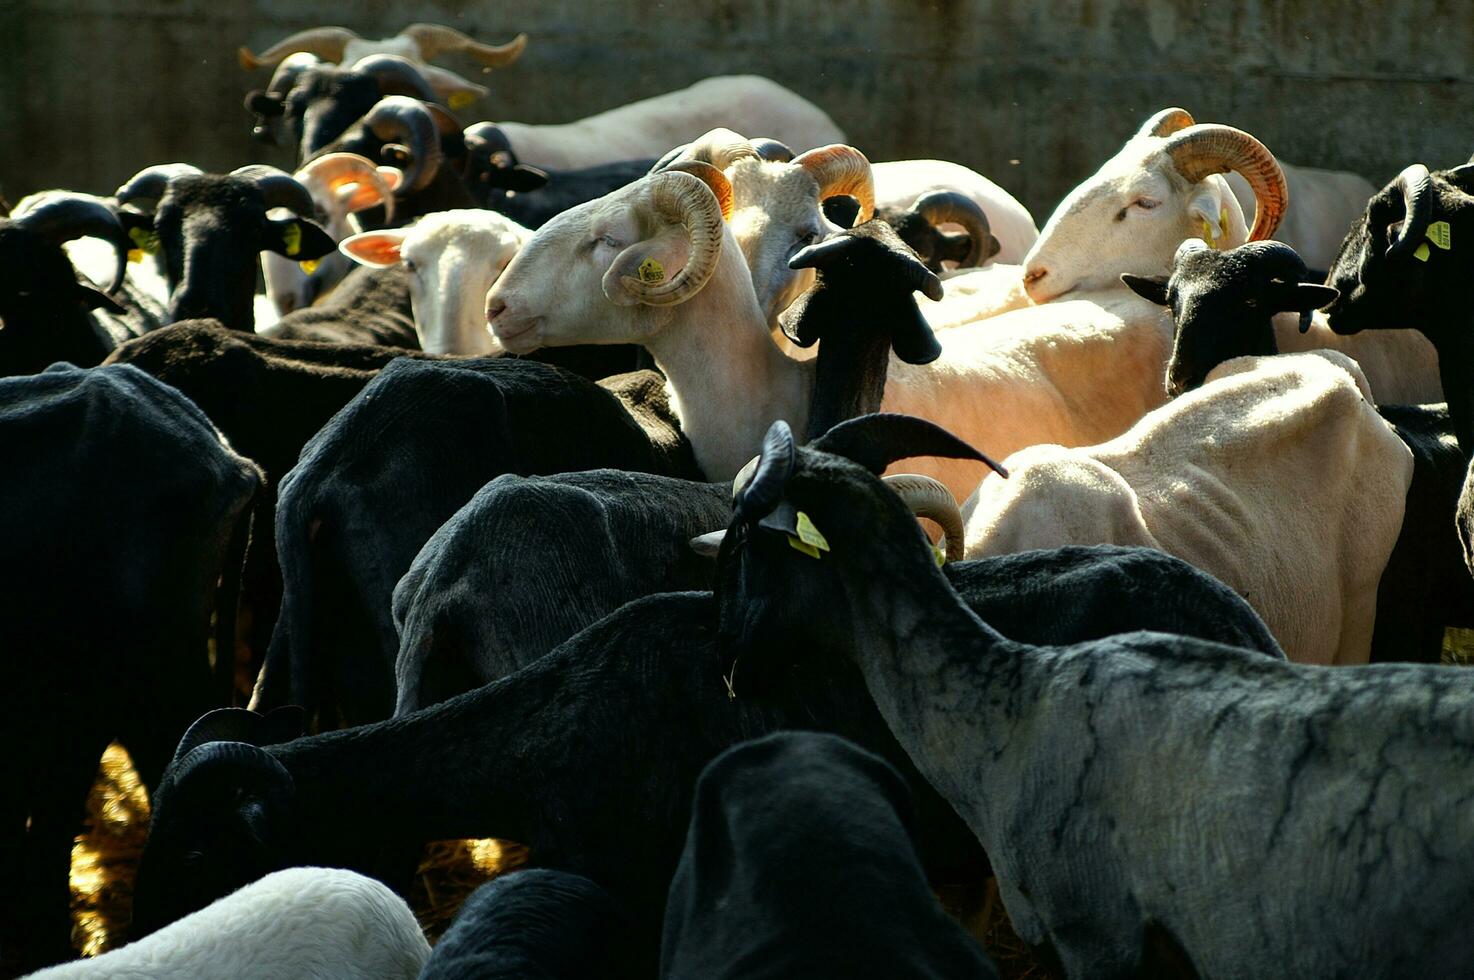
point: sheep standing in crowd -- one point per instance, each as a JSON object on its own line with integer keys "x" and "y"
{"x": 1282, "y": 818}
{"x": 312, "y": 923}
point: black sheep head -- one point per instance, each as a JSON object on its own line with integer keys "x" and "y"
{"x": 221, "y": 815}
{"x": 1402, "y": 264}
{"x": 866, "y": 275}
{"x": 1223, "y": 303}
{"x": 808, "y": 524}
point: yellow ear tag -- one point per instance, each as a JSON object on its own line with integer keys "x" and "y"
{"x": 459, "y": 100}
{"x": 651, "y": 271}
{"x": 803, "y": 546}
{"x": 135, "y": 255}
{"x": 939, "y": 555}
{"x": 309, "y": 266}
{"x": 1439, "y": 234}
{"x": 1421, "y": 252}
{"x": 809, "y": 534}
{"x": 291, "y": 237}
{"x": 147, "y": 241}
{"x": 1208, "y": 232}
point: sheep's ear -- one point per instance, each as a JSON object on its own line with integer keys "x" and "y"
{"x": 843, "y": 210}
{"x": 1310, "y": 296}
{"x": 96, "y": 299}
{"x": 656, "y": 259}
{"x": 379, "y": 249}
{"x": 1208, "y": 214}
{"x": 297, "y": 238}
{"x": 359, "y": 195}
{"x": 520, "y": 178}
{"x": 1150, "y": 288}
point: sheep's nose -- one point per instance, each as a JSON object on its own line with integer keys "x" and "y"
{"x": 1033, "y": 276}
{"x": 495, "y": 307}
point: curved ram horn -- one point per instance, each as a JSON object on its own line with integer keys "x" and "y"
{"x": 63, "y": 217}
{"x": 337, "y": 169}
{"x": 150, "y": 183}
{"x": 688, "y": 200}
{"x": 1166, "y": 122}
{"x": 929, "y": 499}
{"x": 710, "y": 176}
{"x": 325, "y": 42}
{"x": 396, "y": 76}
{"x": 720, "y": 147}
{"x": 1211, "y": 148}
{"x": 877, "y": 441}
{"x": 403, "y": 120}
{"x": 1416, "y": 186}
{"x": 279, "y": 189}
{"x": 775, "y": 465}
{"x": 435, "y": 39}
{"x": 941, "y": 207}
{"x": 840, "y": 169}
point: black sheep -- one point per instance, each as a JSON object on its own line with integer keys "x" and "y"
{"x": 800, "y": 863}
{"x": 123, "y": 508}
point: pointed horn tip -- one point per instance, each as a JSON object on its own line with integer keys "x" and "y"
{"x": 248, "y": 61}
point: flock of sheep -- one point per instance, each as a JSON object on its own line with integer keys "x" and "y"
{"x": 520, "y": 505}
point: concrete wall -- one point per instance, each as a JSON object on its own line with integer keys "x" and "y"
{"x": 1035, "y": 94}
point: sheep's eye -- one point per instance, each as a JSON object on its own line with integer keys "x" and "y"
{"x": 808, "y": 238}
{"x": 409, "y": 266}
{"x": 608, "y": 240}
{"x": 1145, "y": 203}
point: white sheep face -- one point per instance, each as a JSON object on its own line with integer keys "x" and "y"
{"x": 776, "y": 213}
{"x": 1129, "y": 217}
{"x": 453, "y": 258}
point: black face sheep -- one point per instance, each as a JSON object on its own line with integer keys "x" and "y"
{"x": 918, "y": 227}
{"x": 394, "y": 465}
{"x": 1144, "y": 798}
{"x": 799, "y": 863}
{"x": 531, "y": 925}
{"x": 307, "y": 923}
{"x": 119, "y": 521}
{"x": 45, "y": 312}
{"x": 1223, "y": 304}
{"x": 211, "y": 227}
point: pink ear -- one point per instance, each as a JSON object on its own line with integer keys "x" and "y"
{"x": 356, "y": 196}
{"x": 655, "y": 260}
{"x": 393, "y": 176}
{"x": 376, "y": 248}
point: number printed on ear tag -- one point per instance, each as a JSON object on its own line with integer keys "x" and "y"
{"x": 651, "y": 271}
{"x": 1439, "y": 234}
{"x": 809, "y": 534}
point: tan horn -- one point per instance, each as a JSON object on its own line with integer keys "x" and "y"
{"x": 1211, "y": 148}
{"x": 435, "y": 39}
{"x": 840, "y": 169}
{"x": 683, "y": 198}
{"x": 721, "y": 148}
{"x": 337, "y": 169}
{"x": 712, "y": 177}
{"x": 929, "y": 499}
{"x": 325, "y": 42}
{"x": 1166, "y": 122}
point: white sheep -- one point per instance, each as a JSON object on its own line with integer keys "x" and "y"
{"x": 302, "y": 923}
{"x": 453, "y": 258}
{"x": 654, "y": 264}
{"x": 1162, "y": 188}
{"x": 1278, "y": 477}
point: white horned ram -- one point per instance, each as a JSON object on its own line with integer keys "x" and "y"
{"x": 1162, "y": 188}
{"x": 418, "y": 43}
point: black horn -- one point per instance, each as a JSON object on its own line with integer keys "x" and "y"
{"x": 403, "y": 120}
{"x": 62, "y": 217}
{"x": 1416, "y": 187}
{"x": 279, "y": 189}
{"x": 396, "y": 76}
{"x": 941, "y": 207}
{"x": 150, "y": 183}
{"x": 877, "y": 441}
{"x": 775, "y": 466}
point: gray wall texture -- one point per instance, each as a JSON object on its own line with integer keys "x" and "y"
{"x": 1035, "y": 93}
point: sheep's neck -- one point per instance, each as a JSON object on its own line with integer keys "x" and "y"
{"x": 943, "y": 679}
{"x": 727, "y": 380}
{"x": 849, "y": 378}
{"x": 1456, "y": 372}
